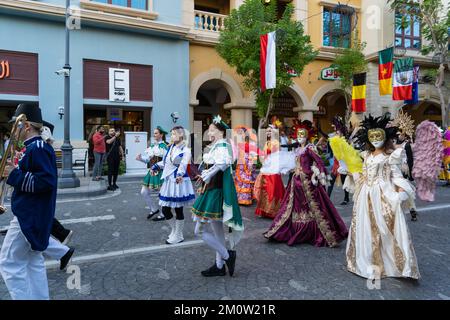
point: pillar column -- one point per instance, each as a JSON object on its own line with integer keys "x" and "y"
{"x": 234, "y": 4}
{"x": 306, "y": 112}
{"x": 187, "y": 9}
{"x": 192, "y": 106}
{"x": 241, "y": 114}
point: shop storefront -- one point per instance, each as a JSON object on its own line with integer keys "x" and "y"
{"x": 18, "y": 83}
{"x": 117, "y": 95}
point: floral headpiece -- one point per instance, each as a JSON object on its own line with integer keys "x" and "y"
{"x": 217, "y": 120}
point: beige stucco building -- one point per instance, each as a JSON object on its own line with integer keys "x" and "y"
{"x": 215, "y": 87}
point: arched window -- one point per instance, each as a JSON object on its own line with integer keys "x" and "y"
{"x": 432, "y": 110}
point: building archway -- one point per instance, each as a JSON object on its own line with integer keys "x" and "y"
{"x": 331, "y": 104}
{"x": 288, "y": 106}
{"x": 211, "y": 96}
{"x": 228, "y": 82}
{"x": 218, "y": 90}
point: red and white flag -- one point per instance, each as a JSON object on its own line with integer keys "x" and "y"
{"x": 267, "y": 61}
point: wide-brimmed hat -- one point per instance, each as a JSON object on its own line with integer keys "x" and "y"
{"x": 48, "y": 125}
{"x": 30, "y": 110}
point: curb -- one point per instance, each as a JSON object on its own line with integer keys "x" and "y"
{"x": 96, "y": 190}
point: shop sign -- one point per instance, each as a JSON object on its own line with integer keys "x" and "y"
{"x": 329, "y": 73}
{"x": 4, "y": 69}
{"x": 119, "y": 85}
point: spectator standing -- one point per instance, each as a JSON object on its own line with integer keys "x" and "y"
{"x": 98, "y": 139}
{"x": 114, "y": 154}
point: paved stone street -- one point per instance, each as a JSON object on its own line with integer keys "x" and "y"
{"x": 121, "y": 255}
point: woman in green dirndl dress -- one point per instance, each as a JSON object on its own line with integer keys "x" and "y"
{"x": 217, "y": 204}
{"x": 152, "y": 182}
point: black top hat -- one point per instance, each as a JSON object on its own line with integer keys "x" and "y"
{"x": 31, "y": 111}
{"x": 49, "y": 125}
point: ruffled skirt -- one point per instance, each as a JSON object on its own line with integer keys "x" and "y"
{"x": 153, "y": 182}
{"x": 176, "y": 195}
{"x": 269, "y": 192}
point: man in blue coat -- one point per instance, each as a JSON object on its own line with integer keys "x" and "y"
{"x": 33, "y": 206}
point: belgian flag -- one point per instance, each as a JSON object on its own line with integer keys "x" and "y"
{"x": 385, "y": 66}
{"x": 359, "y": 92}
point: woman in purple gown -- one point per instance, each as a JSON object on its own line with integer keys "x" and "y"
{"x": 307, "y": 214}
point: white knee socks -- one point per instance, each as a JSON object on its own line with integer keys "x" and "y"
{"x": 215, "y": 239}
{"x": 151, "y": 198}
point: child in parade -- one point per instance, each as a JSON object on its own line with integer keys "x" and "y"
{"x": 176, "y": 191}
{"x": 217, "y": 205}
{"x": 152, "y": 183}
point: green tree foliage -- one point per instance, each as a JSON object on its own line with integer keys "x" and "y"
{"x": 434, "y": 18}
{"x": 239, "y": 46}
{"x": 350, "y": 61}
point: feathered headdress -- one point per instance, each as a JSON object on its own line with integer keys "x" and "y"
{"x": 307, "y": 125}
{"x": 362, "y": 136}
{"x": 404, "y": 123}
{"x": 276, "y": 123}
{"x": 339, "y": 124}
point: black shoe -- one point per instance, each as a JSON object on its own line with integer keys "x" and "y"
{"x": 344, "y": 203}
{"x": 151, "y": 214}
{"x": 413, "y": 215}
{"x": 231, "y": 261}
{"x": 67, "y": 238}
{"x": 110, "y": 188}
{"x": 159, "y": 218}
{"x": 115, "y": 186}
{"x": 214, "y": 271}
{"x": 66, "y": 258}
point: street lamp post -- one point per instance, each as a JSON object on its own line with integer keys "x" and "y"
{"x": 67, "y": 178}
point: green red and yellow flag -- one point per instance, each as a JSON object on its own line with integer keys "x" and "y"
{"x": 386, "y": 58}
{"x": 359, "y": 92}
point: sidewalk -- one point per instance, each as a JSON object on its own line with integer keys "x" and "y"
{"x": 89, "y": 188}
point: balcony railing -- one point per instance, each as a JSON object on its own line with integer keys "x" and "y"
{"x": 209, "y": 21}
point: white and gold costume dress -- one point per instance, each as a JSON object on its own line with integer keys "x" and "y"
{"x": 379, "y": 244}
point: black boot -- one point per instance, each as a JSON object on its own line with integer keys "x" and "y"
{"x": 413, "y": 215}
{"x": 214, "y": 271}
{"x": 66, "y": 258}
{"x": 231, "y": 261}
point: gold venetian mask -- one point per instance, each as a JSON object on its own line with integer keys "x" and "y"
{"x": 302, "y": 133}
{"x": 376, "y": 135}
